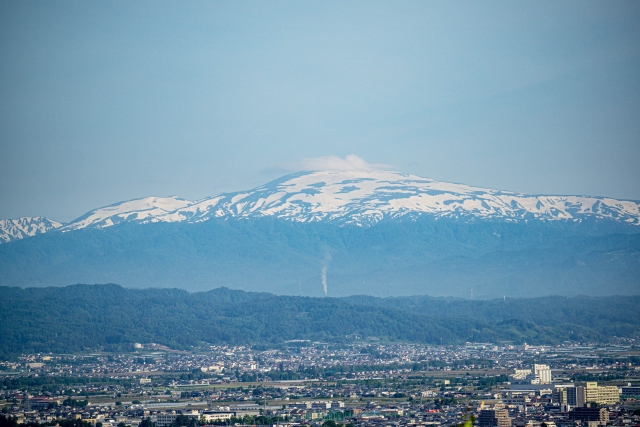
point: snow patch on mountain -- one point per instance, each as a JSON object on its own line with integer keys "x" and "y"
{"x": 132, "y": 210}
{"x": 366, "y": 197}
{"x": 16, "y": 229}
{"x": 346, "y": 197}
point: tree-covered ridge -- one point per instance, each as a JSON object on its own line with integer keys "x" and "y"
{"x": 609, "y": 316}
{"x": 84, "y": 317}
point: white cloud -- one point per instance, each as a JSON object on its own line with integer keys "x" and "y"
{"x": 351, "y": 162}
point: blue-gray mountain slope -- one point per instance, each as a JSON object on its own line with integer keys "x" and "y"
{"x": 444, "y": 257}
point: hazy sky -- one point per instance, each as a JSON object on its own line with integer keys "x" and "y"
{"x": 105, "y": 101}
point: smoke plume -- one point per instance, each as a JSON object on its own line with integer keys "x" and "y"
{"x": 325, "y": 265}
{"x": 324, "y": 280}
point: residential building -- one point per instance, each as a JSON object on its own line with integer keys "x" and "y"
{"x": 210, "y": 416}
{"x": 631, "y": 391}
{"x": 39, "y": 402}
{"x": 559, "y": 395}
{"x": 576, "y": 396}
{"x": 568, "y": 394}
{"x": 603, "y": 395}
{"x": 600, "y": 415}
{"x": 165, "y": 419}
{"x": 494, "y": 418}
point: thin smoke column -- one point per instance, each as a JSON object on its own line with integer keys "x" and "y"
{"x": 325, "y": 265}
{"x": 324, "y": 280}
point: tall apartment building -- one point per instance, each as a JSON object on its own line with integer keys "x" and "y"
{"x": 560, "y": 396}
{"x": 603, "y": 395}
{"x": 494, "y": 418}
{"x": 576, "y": 396}
{"x": 568, "y": 394}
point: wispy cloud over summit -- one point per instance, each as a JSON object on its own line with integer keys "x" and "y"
{"x": 351, "y": 162}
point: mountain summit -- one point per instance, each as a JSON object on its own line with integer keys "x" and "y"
{"x": 360, "y": 198}
{"x": 364, "y": 198}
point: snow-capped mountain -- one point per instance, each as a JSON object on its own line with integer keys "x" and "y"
{"x": 140, "y": 210}
{"x": 365, "y": 197}
{"x": 15, "y": 229}
{"x": 360, "y": 198}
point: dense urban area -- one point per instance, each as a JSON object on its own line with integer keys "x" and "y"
{"x": 314, "y": 383}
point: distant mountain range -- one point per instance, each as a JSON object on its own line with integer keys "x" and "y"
{"x": 16, "y": 229}
{"x": 370, "y": 231}
{"x": 361, "y": 198}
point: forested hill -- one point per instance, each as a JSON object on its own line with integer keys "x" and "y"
{"x": 110, "y": 317}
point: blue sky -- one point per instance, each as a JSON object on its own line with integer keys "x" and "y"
{"x": 107, "y": 101}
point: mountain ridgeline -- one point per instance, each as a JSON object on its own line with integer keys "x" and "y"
{"x": 110, "y": 317}
{"x": 338, "y": 234}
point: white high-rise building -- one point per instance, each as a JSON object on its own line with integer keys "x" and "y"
{"x": 542, "y": 374}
